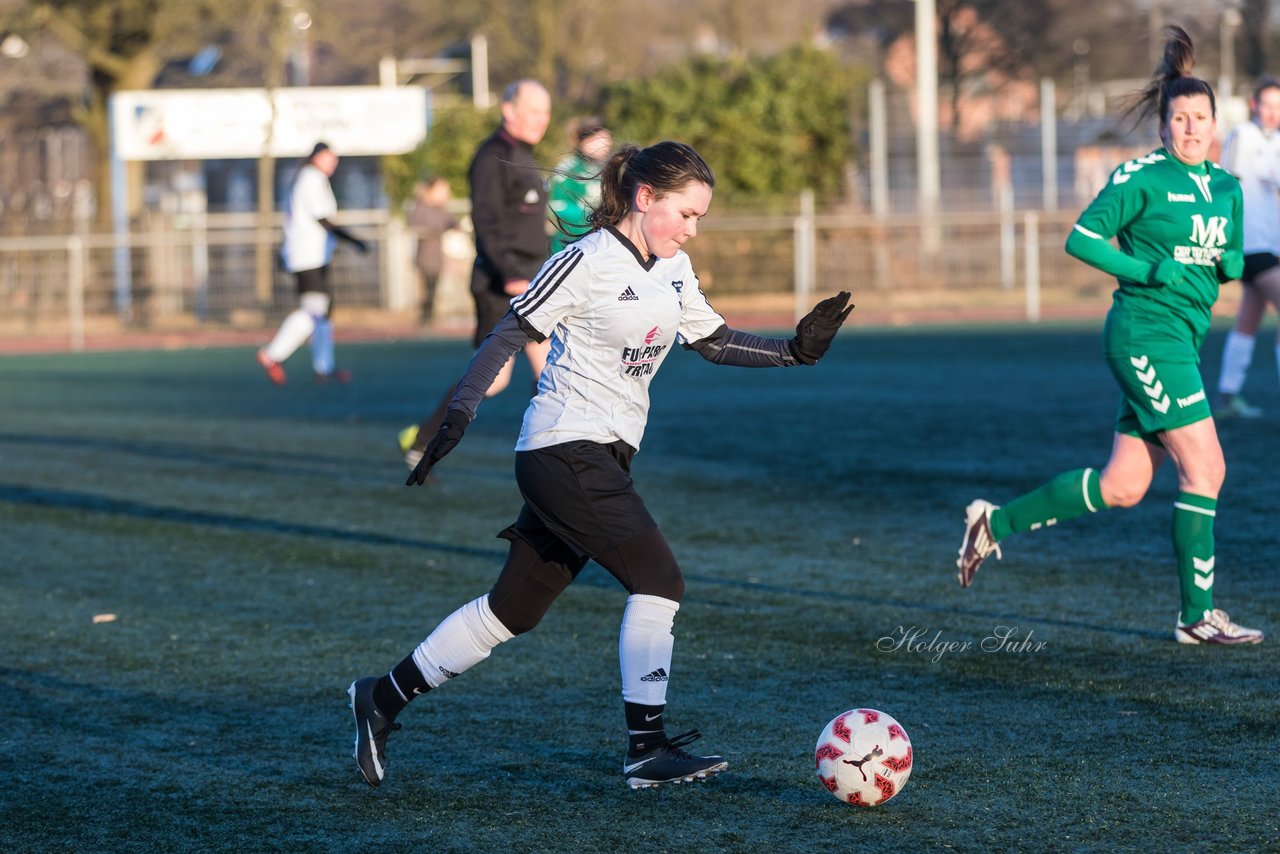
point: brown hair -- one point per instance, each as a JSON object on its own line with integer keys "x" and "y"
{"x": 665, "y": 166}
{"x": 1172, "y": 79}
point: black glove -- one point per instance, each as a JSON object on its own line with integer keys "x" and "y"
{"x": 818, "y": 328}
{"x": 445, "y": 440}
{"x": 1230, "y": 265}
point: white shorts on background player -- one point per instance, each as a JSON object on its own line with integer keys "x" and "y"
{"x": 612, "y": 319}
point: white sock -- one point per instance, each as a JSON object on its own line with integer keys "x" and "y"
{"x": 461, "y": 641}
{"x": 1236, "y": 356}
{"x": 644, "y": 648}
{"x": 293, "y": 332}
{"x": 322, "y": 348}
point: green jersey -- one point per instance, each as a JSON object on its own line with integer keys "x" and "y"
{"x": 1158, "y": 208}
{"x": 574, "y": 189}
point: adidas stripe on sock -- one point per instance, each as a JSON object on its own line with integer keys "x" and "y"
{"x": 644, "y": 648}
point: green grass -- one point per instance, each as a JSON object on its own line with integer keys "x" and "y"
{"x": 259, "y": 551}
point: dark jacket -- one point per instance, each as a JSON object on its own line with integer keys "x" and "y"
{"x": 508, "y": 209}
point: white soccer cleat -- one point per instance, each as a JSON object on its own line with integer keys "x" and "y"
{"x": 1216, "y": 628}
{"x": 978, "y": 543}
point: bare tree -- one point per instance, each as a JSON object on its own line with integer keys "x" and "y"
{"x": 124, "y": 43}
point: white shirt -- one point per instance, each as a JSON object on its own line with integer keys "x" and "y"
{"x": 612, "y": 319}
{"x": 1253, "y": 156}
{"x": 307, "y": 246}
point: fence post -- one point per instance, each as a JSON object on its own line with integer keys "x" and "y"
{"x": 1008, "y": 239}
{"x": 879, "y": 145}
{"x": 400, "y": 293}
{"x": 1032, "y": 227}
{"x": 75, "y": 291}
{"x": 1049, "y": 143}
{"x": 805, "y": 263}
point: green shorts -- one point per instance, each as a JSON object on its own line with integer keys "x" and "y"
{"x": 1159, "y": 394}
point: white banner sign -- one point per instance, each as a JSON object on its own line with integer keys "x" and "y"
{"x": 204, "y": 124}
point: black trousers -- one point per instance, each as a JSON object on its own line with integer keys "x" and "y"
{"x": 580, "y": 504}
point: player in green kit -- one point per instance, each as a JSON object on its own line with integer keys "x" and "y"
{"x": 1177, "y": 219}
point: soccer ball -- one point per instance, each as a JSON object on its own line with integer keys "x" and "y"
{"x": 863, "y": 757}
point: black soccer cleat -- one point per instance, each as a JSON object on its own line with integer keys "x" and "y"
{"x": 670, "y": 764}
{"x": 372, "y": 729}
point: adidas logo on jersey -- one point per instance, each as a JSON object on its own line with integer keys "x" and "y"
{"x": 659, "y": 675}
{"x": 628, "y": 295}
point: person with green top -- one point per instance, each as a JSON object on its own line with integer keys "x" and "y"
{"x": 1177, "y": 218}
{"x": 574, "y": 187}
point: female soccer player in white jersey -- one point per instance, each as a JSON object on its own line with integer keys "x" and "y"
{"x": 1252, "y": 154}
{"x": 613, "y": 304}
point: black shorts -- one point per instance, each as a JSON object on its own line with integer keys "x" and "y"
{"x": 579, "y": 501}
{"x": 491, "y": 303}
{"x": 314, "y": 281}
{"x": 1256, "y": 263}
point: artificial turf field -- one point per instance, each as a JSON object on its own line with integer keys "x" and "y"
{"x": 259, "y": 551}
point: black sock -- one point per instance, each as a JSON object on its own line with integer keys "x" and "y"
{"x": 644, "y": 727}
{"x": 394, "y": 691}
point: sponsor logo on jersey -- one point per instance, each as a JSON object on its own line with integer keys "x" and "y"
{"x": 640, "y": 361}
{"x": 1209, "y": 235}
{"x": 652, "y": 334}
{"x": 1182, "y": 197}
{"x": 628, "y": 295}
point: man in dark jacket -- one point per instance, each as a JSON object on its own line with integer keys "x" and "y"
{"x": 509, "y": 205}
{"x": 509, "y": 215}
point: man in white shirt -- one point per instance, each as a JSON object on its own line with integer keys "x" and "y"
{"x": 309, "y": 239}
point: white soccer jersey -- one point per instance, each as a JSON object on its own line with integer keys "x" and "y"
{"x": 1253, "y": 156}
{"x": 307, "y": 245}
{"x": 612, "y": 318}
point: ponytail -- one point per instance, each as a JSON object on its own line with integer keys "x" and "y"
{"x": 667, "y": 167}
{"x": 614, "y": 201}
{"x": 1172, "y": 79}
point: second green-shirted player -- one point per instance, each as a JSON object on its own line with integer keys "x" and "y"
{"x": 1176, "y": 218}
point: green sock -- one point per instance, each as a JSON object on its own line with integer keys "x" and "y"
{"x": 1193, "y": 543}
{"x": 1067, "y": 496}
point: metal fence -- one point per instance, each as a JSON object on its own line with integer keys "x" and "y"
{"x": 201, "y": 274}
